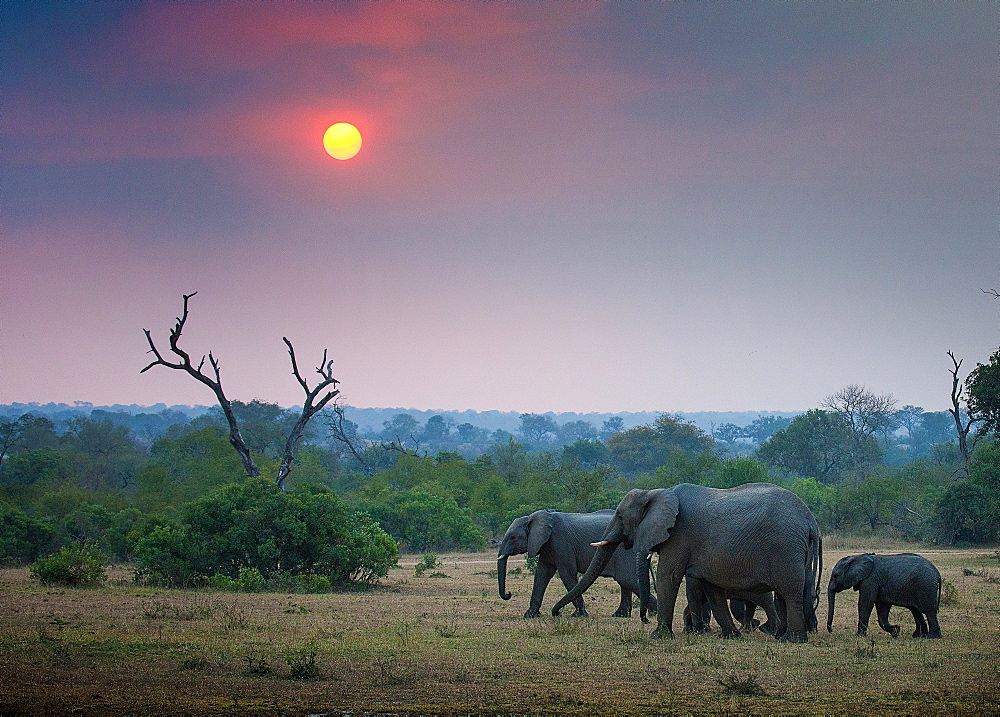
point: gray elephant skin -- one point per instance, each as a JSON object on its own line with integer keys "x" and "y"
{"x": 907, "y": 580}
{"x": 562, "y": 543}
{"x": 698, "y": 611}
{"x": 753, "y": 538}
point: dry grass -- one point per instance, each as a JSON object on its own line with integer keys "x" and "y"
{"x": 449, "y": 645}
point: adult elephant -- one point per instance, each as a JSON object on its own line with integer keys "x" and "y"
{"x": 698, "y": 612}
{"x": 562, "y": 543}
{"x": 753, "y": 538}
{"x": 906, "y": 579}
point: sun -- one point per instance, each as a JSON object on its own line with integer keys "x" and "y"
{"x": 342, "y": 140}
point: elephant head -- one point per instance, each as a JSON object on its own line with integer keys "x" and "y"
{"x": 643, "y": 519}
{"x": 849, "y": 572}
{"x": 526, "y": 534}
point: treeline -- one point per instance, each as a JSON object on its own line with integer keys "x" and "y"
{"x": 182, "y": 509}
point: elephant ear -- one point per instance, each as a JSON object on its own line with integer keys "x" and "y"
{"x": 539, "y": 531}
{"x": 859, "y": 569}
{"x": 658, "y": 518}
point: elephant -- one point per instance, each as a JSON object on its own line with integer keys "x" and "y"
{"x": 698, "y": 612}
{"x": 562, "y": 543}
{"x": 907, "y": 580}
{"x": 753, "y": 538}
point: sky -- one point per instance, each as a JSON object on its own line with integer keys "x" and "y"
{"x": 559, "y": 206}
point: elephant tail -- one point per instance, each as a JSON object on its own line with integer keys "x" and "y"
{"x": 814, "y": 575}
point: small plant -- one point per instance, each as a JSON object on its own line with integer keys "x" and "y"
{"x": 867, "y": 650}
{"x": 748, "y": 686}
{"x": 73, "y": 566}
{"x": 428, "y": 562}
{"x": 531, "y": 563}
{"x": 312, "y": 583}
{"x": 257, "y": 663}
{"x": 302, "y": 662}
{"x": 949, "y": 593}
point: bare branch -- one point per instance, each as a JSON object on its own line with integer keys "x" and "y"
{"x": 310, "y": 407}
{"x": 235, "y": 437}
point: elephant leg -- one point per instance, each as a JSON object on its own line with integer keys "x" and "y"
{"x": 697, "y": 613}
{"x": 796, "y": 629}
{"x": 668, "y": 583}
{"x": 767, "y": 605}
{"x": 865, "y": 605}
{"x": 882, "y": 611}
{"x": 543, "y": 574}
{"x": 743, "y": 612}
{"x": 933, "y": 629}
{"x": 625, "y": 604}
{"x": 720, "y": 609}
{"x": 919, "y": 623}
{"x": 569, "y": 580}
{"x": 781, "y": 614}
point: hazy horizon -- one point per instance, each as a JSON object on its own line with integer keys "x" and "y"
{"x": 582, "y": 207}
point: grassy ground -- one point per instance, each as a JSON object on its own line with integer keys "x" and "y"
{"x": 445, "y": 643}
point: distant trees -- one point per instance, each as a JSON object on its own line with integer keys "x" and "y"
{"x": 643, "y": 448}
{"x": 819, "y": 444}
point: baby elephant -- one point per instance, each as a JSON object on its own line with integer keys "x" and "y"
{"x": 882, "y": 581}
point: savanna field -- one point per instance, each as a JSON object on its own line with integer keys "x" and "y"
{"x": 442, "y": 642}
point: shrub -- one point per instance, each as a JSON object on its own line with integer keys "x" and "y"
{"x": 428, "y": 562}
{"x": 253, "y": 526}
{"x": 23, "y": 539}
{"x": 72, "y": 566}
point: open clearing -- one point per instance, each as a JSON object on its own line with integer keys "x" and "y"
{"x": 444, "y": 643}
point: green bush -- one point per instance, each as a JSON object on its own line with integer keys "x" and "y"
{"x": 23, "y": 539}
{"x": 72, "y": 566}
{"x": 254, "y": 526}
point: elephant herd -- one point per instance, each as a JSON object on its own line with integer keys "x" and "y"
{"x": 738, "y": 549}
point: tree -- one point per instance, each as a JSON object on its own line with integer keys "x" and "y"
{"x": 611, "y": 426}
{"x": 964, "y": 421}
{"x": 577, "y": 431}
{"x": 867, "y": 414}
{"x": 312, "y": 404}
{"x": 763, "y": 427}
{"x": 643, "y": 448}
{"x": 537, "y": 428}
{"x": 983, "y": 388}
{"x": 728, "y": 432}
{"x": 909, "y": 418}
{"x": 818, "y": 444}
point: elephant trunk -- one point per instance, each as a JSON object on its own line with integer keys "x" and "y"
{"x": 642, "y": 568}
{"x": 832, "y": 596}
{"x": 597, "y": 564}
{"x": 502, "y": 577}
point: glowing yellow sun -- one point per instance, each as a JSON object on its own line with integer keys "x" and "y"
{"x": 342, "y": 140}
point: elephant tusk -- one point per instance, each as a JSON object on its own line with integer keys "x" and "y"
{"x": 599, "y": 543}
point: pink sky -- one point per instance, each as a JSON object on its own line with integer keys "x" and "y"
{"x": 558, "y": 206}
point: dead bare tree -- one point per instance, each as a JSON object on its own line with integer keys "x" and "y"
{"x": 235, "y": 437}
{"x": 310, "y": 406}
{"x": 963, "y": 423}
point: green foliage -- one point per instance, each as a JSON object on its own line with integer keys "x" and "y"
{"x": 302, "y": 662}
{"x": 983, "y": 385}
{"x": 424, "y": 521}
{"x": 644, "y": 448}
{"x": 249, "y": 581}
{"x": 254, "y": 526}
{"x": 23, "y": 538}
{"x": 428, "y": 562}
{"x": 71, "y": 566}
{"x": 819, "y": 444}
